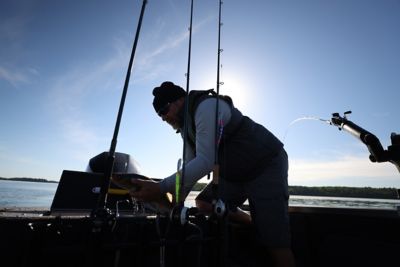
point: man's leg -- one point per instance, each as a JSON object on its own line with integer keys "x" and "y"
{"x": 281, "y": 257}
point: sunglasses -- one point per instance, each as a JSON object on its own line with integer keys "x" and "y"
{"x": 164, "y": 110}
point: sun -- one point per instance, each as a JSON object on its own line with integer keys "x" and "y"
{"x": 235, "y": 87}
{"x": 231, "y": 84}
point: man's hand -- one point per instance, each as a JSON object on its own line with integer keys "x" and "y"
{"x": 147, "y": 190}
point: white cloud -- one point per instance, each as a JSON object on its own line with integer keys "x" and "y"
{"x": 12, "y": 76}
{"x": 20, "y": 160}
{"x": 71, "y": 91}
{"x": 81, "y": 139}
{"x": 13, "y": 29}
{"x": 12, "y": 164}
{"x": 74, "y": 85}
{"x": 33, "y": 71}
{"x": 171, "y": 42}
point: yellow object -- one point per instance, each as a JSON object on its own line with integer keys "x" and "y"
{"x": 114, "y": 191}
{"x": 177, "y": 186}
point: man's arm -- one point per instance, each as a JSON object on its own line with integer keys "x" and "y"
{"x": 203, "y": 161}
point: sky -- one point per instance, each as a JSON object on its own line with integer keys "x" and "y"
{"x": 286, "y": 64}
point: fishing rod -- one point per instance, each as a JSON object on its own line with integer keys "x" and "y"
{"x": 101, "y": 209}
{"x": 180, "y": 178}
{"x": 377, "y": 152}
{"x": 374, "y": 146}
{"x": 218, "y": 131}
{"x": 220, "y": 207}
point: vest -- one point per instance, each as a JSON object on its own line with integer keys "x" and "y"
{"x": 246, "y": 147}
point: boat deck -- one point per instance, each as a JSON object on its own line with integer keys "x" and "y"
{"x": 320, "y": 237}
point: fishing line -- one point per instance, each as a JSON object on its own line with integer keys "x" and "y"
{"x": 302, "y": 119}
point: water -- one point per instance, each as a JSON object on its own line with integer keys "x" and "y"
{"x": 337, "y": 202}
{"x": 344, "y": 202}
{"x": 26, "y": 194}
{"x": 40, "y": 195}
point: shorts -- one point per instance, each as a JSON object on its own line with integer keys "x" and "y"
{"x": 268, "y": 201}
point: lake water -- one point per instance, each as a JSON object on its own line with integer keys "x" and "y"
{"x": 26, "y": 194}
{"x": 40, "y": 195}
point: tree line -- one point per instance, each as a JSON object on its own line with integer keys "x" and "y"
{"x": 336, "y": 191}
{"x": 24, "y": 179}
{"x": 342, "y": 191}
{"x": 327, "y": 191}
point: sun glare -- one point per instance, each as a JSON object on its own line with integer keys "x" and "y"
{"x": 235, "y": 88}
{"x": 233, "y": 85}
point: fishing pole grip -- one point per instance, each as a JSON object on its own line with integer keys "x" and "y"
{"x": 373, "y": 144}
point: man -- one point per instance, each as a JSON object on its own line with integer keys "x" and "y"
{"x": 253, "y": 164}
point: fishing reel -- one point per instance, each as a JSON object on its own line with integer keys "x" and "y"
{"x": 103, "y": 219}
{"x": 377, "y": 152}
{"x": 181, "y": 214}
{"x": 220, "y": 208}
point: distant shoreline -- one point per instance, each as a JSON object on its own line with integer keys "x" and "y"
{"x": 24, "y": 179}
{"x": 326, "y": 191}
{"x": 336, "y": 191}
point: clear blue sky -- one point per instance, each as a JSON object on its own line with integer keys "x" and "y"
{"x": 63, "y": 65}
